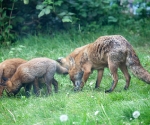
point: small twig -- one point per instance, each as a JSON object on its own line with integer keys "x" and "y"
{"x": 106, "y": 114}
{"x": 14, "y": 119}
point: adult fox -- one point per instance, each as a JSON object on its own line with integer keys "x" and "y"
{"x": 29, "y": 72}
{"x": 8, "y": 68}
{"x": 112, "y": 51}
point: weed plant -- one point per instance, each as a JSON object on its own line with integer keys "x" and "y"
{"x": 88, "y": 107}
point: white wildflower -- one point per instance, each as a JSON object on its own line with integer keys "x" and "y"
{"x": 92, "y": 96}
{"x": 136, "y": 114}
{"x": 74, "y": 123}
{"x": 96, "y": 112}
{"x": 63, "y": 118}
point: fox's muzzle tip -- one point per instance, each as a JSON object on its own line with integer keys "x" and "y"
{"x": 76, "y": 89}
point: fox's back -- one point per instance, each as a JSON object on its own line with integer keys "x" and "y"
{"x": 115, "y": 46}
{"x": 9, "y": 66}
{"x": 37, "y": 66}
{"x": 15, "y": 62}
{"x": 110, "y": 43}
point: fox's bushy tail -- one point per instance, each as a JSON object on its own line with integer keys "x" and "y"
{"x": 133, "y": 63}
{"x": 60, "y": 69}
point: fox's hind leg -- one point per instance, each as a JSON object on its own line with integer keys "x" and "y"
{"x": 48, "y": 80}
{"x": 36, "y": 88}
{"x": 113, "y": 66}
{"x": 124, "y": 70}
{"x": 55, "y": 84}
{"x": 99, "y": 77}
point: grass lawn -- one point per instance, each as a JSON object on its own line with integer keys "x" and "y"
{"x": 88, "y": 107}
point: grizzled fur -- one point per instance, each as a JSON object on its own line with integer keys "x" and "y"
{"x": 107, "y": 51}
{"x": 29, "y": 73}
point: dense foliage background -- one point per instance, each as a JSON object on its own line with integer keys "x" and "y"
{"x": 22, "y": 17}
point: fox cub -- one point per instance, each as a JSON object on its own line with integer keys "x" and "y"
{"x": 29, "y": 73}
{"x": 8, "y": 68}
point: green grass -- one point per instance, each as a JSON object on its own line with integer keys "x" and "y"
{"x": 115, "y": 108}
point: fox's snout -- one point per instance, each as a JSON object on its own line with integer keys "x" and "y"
{"x": 77, "y": 85}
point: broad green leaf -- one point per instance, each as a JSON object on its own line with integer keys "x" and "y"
{"x": 12, "y": 36}
{"x": 6, "y": 30}
{"x": 13, "y": 49}
{"x": 41, "y": 13}
{"x": 49, "y": 7}
{"x": 62, "y": 14}
{"x": 66, "y": 19}
{"x": 70, "y": 14}
{"x": 47, "y": 11}
{"x": 4, "y": 14}
{"x": 40, "y": 7}
{"x": 112, "y": 19}
{"x": 26, "y": 1}
{"x": 21, "y": 46}
{"x": 83, "y": 14}
{"x": 58, "y": 3}
{"x": 9, "y": 27}
{"x": 48, "y": 2}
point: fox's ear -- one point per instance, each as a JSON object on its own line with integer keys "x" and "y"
{"x": 72, "y": 62}
{"x": 59, "y": 60}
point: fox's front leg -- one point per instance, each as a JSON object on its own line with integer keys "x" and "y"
{"x": 99, "y": 77}
{"x": 28, "y": 88}
{"x": 86, "y": 75}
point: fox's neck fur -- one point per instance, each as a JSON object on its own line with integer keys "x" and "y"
{"x": 14, "y": 83}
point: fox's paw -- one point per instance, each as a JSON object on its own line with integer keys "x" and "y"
{"x": 76, "y": 89}
{"x": 108, "y": 91}
{"x": 125, "y": 88}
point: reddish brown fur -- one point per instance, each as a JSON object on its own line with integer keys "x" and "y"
{"x": 8, "y": 68}
{"x": 65, "y": 62}
{"x": 107, "y": 51}
{"x": 30, "y": 71}
{"x": 1, "y": 90}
